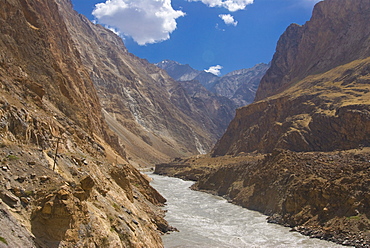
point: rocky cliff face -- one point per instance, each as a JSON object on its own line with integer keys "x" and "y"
{"x": 240, "y": 86}
{"x": 322, "y": 94}
{"x": 220, "y": 109}
{"x": 336, "y": 34}
{"x": 64, "y": 179}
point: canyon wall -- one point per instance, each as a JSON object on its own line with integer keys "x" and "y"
{"x": 65, "y": 181}
{"x": 154, "y": 116}
{"x": 315, "y": 96}
{"x": 336, "y": 34}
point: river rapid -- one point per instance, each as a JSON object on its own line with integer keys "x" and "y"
{"x": 205, "y": 220}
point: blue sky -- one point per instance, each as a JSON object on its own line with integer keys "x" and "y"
{"x": 230, "y": 34}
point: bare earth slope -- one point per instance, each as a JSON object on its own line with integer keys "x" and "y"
{"x": 64, "y": 181}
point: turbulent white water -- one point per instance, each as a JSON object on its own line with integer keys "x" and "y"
{"x": 205, "y": 220}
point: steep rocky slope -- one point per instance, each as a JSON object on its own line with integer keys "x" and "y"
{"x": 141, "y": 102}
{"x": 196, "y": 84}
{"x": 319, "y": 96}
{"x": 337, "y": 34}
{"x": 64, "y": 179}
{"x": 219, "y": 108}
{"x": 323, "y": 112}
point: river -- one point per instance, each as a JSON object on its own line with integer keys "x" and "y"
{"x": 205, "y": 220}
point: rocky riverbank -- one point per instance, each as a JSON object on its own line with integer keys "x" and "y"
{"x": 322, "y": 195}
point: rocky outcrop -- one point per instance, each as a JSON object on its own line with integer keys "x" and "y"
{"x": 335, "y": 35}
{"x": 320, "y": 113}
{"x": 70, "y": 193}
{"x": 316, "y": 87}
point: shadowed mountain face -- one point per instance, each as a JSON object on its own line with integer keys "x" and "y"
{"x": 153, "y": 114}
{"x": 315, "y": 96}
{"x": 239, "y": 86}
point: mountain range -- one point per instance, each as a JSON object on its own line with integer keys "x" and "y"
{"x": 239, "y": 86}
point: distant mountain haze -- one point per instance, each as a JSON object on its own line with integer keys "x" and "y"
{"x": 239, "y": 86}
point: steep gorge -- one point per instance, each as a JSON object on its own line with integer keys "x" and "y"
{"x": 300, "y": 152}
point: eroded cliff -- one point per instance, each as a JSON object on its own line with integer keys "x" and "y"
{"x": 315, "y": 96}
{"x": 337, "y": 33}
{"x": 65, "y": 181}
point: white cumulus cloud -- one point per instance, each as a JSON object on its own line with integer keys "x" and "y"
{"x": 216, "y": 70}
{"x": 228, "y": 19}
{"x": 146, "y": 21}
{"x": 231, "y": 5}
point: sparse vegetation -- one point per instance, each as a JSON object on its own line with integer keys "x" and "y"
{"x": 3, "y": 240}
{"x": 116, "y": 207}
{"x": 29, "y": 193}
{"x": 105, "y": 242}
{"x": 355, "y": 217}
{"x": 12, "y": 157}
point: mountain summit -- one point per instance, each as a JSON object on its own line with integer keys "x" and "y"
{"x": 181, "y": 72}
